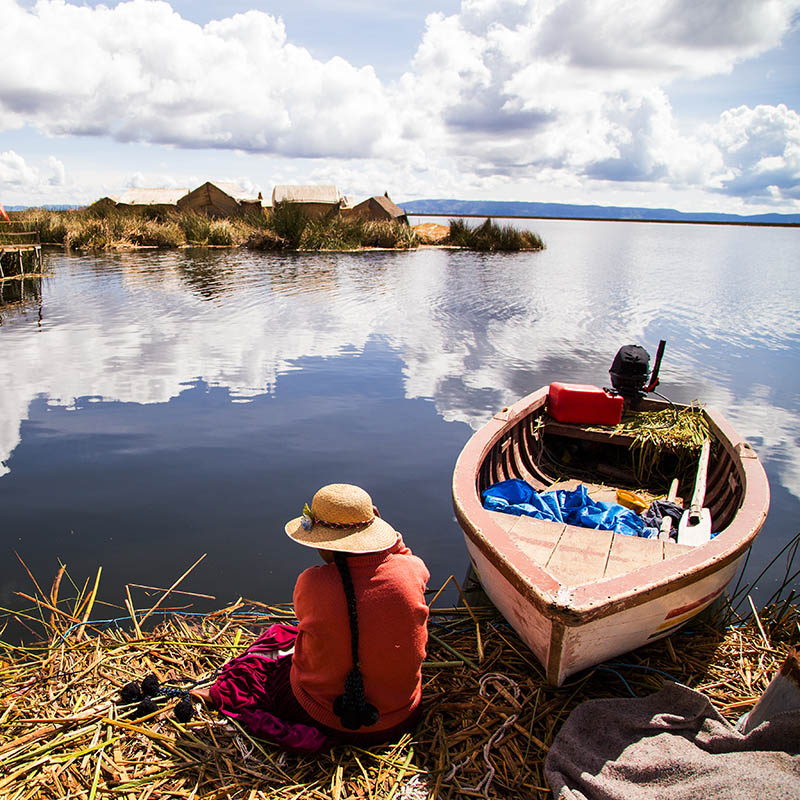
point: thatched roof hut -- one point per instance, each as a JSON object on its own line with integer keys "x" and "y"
{"x": 104, "y": 204}
{"x": 315, "y": 201}
{"x": 139, "y": 198}
{"x": 380, "y": 208}
{"x": 217, "y": 199}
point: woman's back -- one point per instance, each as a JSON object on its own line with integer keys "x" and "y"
{"x": 389, "y": 589}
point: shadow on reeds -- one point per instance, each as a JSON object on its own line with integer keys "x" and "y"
{"x": 488, "y": 718}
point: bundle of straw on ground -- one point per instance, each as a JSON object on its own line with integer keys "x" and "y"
{"x": 489, "y": 717}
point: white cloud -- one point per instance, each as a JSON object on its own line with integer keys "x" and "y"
{"x": 581, "y": 85}
{"x": 626, "y": 40}
{"x": 14, "y": 171}
{"x": 145, "y": 74}
{"x": 761, "y": 151}
{"x": 18, "y": 176}
{"x": 150, "y": 180}
{"x": 58, "y": 173}
{"x": 500, "y": 94}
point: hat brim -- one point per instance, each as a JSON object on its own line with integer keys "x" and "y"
{"x": 372, "y": 538}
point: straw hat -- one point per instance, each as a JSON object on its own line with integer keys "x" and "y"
{"x": 341, "y": 518}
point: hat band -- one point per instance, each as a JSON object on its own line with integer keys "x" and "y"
{"x": 344, "y": 524}
{"x": 309, "y": 521}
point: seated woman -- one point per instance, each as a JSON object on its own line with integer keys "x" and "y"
{"x": 355, "y": 673}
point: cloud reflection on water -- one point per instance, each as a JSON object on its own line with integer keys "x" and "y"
{"x": 474, "y": 331}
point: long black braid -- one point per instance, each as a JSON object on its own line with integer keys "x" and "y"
{"x": 352, "y": 707}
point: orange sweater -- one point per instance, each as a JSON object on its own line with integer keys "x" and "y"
{"x": 392, "y": 619}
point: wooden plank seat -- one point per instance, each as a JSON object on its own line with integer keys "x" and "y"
{"x": 574, "y": 556}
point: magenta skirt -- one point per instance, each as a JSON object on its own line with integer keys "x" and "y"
{"x": 254, "y": 690}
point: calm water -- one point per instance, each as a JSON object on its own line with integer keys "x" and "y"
{"x": 156, "y": 406}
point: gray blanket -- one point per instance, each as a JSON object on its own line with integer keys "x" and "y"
{"x": 672, "y": 745}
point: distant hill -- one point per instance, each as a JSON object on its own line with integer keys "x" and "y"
{"x": 46, "y": 208}
{"x": 497, "y": 208}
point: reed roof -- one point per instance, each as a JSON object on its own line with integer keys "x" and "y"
{"x": 306, "y": 194}
{"x": 149, "y": 197}
{"x": 391, "y": 210}
{"x": 236, "y": 192}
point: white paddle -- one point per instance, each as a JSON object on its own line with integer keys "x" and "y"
{"x": 695, "y": 525}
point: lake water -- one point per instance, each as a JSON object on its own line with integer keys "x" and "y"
{"x": 159, "y": 405}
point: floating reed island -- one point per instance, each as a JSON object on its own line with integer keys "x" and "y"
{"x": 284, "y": 226}
{"x": 489, "y": 716}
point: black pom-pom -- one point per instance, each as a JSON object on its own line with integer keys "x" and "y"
{"x": 369, "y": 714}
{"x": 183, "y": 710}
{"x": 354, "y": 715}
{"x": 347, "y": 713}
{"x": 150, "y": 685}
{"x": 130, "y": 693}
{"x": 147, "y": 706}
{"x": 352, "y": 707}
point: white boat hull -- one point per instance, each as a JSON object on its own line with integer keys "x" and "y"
{"x": 578, "y": 597}
{"x": 569, "y": 649}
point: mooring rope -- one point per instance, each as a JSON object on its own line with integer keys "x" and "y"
{"x": 482, "y": 787}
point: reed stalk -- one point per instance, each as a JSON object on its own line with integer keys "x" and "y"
{"x": 64, "y": 734}
{"x": 284, "y": 227}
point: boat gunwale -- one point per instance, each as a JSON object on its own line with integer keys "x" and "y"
{"x": 593, "y": 600}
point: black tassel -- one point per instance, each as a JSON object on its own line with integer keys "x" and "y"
{"x": 150, "y": 685}
{"x": 352, "y": 707}
{"x": 147, "y": 706}
{"x": 130, "y": 693}
{"x": 183, "y": 710}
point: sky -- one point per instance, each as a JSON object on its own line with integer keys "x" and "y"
{"x": 665, "y": 103}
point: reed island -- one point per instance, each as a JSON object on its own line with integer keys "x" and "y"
{"x": 298, "y": 219}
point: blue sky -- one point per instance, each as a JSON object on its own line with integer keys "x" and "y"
{"x": 666, "y": 103}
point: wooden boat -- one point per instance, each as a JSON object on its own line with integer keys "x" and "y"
{"x": 578, "y": 596}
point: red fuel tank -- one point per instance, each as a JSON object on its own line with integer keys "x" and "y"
{"x": 590, "y": 405}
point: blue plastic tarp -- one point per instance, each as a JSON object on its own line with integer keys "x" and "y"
{"x": 573, "y": 507}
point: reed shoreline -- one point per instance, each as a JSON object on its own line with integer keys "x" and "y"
{"x": 489, "y": 717}
{"x": 284, "y": 227}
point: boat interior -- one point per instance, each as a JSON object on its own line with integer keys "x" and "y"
{"x": 545, "y": 454}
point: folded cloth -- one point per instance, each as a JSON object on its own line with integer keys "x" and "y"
{"x": 672, "y": 745}
{"x": 658, "y": 510}
{"x": 254, "y": 690}
{"x": 574, "y": 507}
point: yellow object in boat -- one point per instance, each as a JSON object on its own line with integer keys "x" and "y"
{"x": 632, "y": 500}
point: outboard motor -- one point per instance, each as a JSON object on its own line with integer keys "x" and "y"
{"x": 630, "y": 371}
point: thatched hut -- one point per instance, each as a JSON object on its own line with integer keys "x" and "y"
{"x": 380, "y": 208}
{"x": 216, "y": 199}
{"x": 158, "y": 199}
{"x": 315, "y": 201}
{"x": 104, "y": 204}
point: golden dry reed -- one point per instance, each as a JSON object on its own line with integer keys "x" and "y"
{"x": 489, "y": 717}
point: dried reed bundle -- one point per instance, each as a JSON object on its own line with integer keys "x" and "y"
{"x": 677, "y": 433}
{"x": 489, "y": 718}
